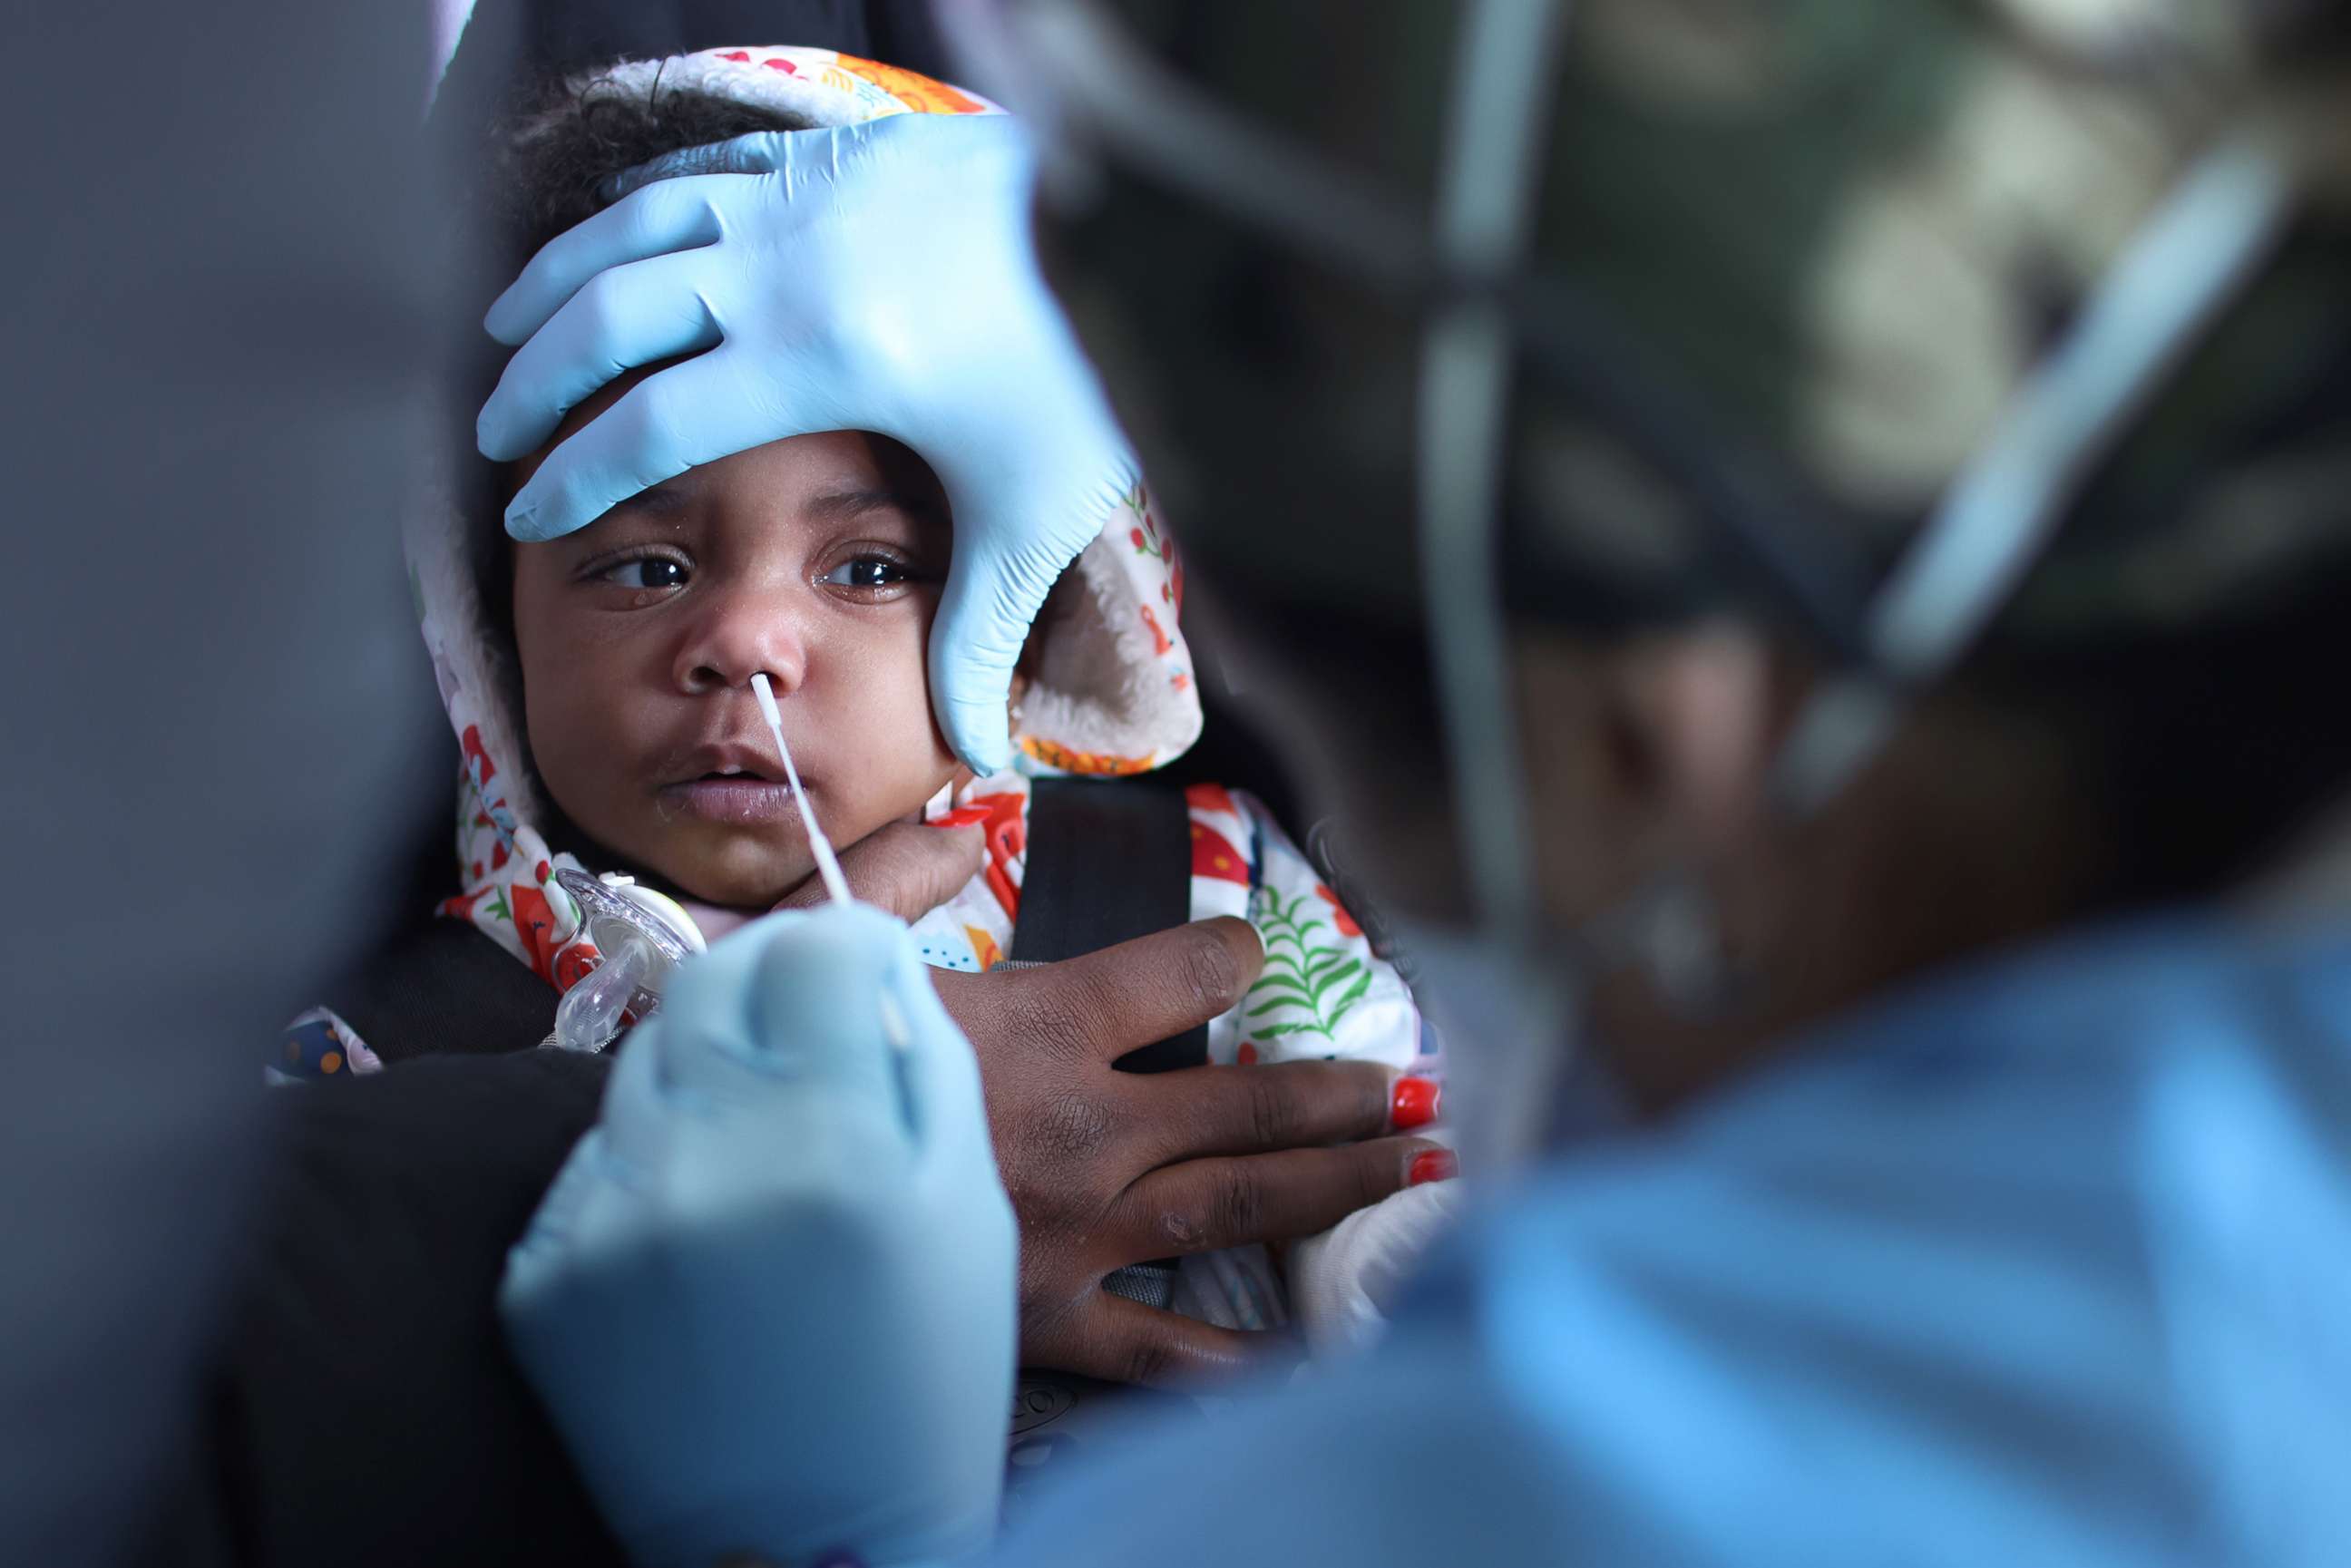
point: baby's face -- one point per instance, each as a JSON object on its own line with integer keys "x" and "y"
{"x": 818, "y": 559}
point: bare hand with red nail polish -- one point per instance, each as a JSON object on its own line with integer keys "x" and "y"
{"x": 1108, "y": 1168}
{"x": 1414, "y": 1103}
{"x": 907, "y": 868}
{"x": 1436, "y": 1165}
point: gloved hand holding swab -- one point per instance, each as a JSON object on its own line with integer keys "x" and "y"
{"x": 828, "y": 865}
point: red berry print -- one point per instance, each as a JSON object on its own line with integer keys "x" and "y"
{"x": 534, "y": 922}
{"x": 1213, "y": 855}
{"x": 1210, "y": 798}
{"x": 469, "y": 747}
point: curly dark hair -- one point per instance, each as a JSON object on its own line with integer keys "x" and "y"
{"x": 557, "y": 156}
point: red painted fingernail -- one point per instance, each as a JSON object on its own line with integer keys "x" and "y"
{"x": 1437, "y": 1164}
{"x": 961, "y": 817}
{"x": 1414, "y": 1103}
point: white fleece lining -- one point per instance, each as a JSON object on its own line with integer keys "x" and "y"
{"x": 1101, "y": 685}
{"x": 465, "y": 658}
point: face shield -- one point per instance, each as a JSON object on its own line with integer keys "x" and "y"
{"x": 1369, "y": 267}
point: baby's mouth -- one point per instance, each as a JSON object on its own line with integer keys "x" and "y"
{"x": 728, "y": 787}
{"x": 725, "y": 775}
{"x": 720, "y": 797}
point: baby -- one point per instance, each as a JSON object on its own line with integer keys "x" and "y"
{"x": 599, "y": 684}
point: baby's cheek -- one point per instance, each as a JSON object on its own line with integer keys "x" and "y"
{"x": 919, "y": 767}
{"x": 571, "y": 754}
{"x": 901, "y": 759}
{"x": 584, "y": 729}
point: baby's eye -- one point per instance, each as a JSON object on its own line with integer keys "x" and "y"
{"x": 868, "y": 573}
{"x": 647, "y": 572}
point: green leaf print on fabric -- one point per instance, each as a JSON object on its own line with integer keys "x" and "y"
{"x": 1306, "y": 988}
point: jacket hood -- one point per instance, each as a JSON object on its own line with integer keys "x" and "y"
{"x": 1111, "y": 691}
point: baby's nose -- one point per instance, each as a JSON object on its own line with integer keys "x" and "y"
{"x": 738, "y": 636}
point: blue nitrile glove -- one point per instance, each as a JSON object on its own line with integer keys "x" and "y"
{"x": 770, "y": 1301}
{"x": 877, "y": 277}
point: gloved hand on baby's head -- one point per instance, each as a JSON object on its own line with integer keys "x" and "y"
{"x": 822, "y": 556}
{"x": 775, "y": 217}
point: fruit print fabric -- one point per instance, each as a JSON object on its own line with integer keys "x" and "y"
{"x": 1323, "y": 992}
{"x": 845, "y": 89}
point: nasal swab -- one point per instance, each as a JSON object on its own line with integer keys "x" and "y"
{"x": 828, "y": 865}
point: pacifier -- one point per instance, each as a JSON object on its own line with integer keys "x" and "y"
{"x": 643, "y": 935}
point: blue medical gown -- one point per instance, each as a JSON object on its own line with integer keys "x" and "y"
{"x": 2047, "y": 1263}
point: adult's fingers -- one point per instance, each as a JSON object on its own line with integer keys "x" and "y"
{"x": 1207, "y": 1111}
{"x": 984, "y": 618}
{"x": 1105, "y": 1004}
{"x": 907, "y": 868}
{"x": 1121, "y": 1341}
{"x": 639, "y": 314}
{"x": 1203, "y": 1205}
{"x": 785, "y": 1006}
{"x": 676, "y": 215}
{"x": 940, "y": 1077}
{"x": 815, "y": 1013}
{"x": 693, "y": 413}
{"x": 756, "y": 152}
